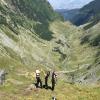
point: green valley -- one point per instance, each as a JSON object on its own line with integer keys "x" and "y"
{"x": 33, "y": 35}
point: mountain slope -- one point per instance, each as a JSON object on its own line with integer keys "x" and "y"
{"x": 23, "y": 39}
{"x": 68, "y": 14}
{"x": 28, "y": 42}
{"x": 20, "y": 32}
{"x": 89, "y": 13}
{"x": 17, "y": 12}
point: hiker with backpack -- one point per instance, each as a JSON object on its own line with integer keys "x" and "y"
{"x": 46, "y": 79}
{"x": 38, "y": 79}
{"x": 53, "y": 80}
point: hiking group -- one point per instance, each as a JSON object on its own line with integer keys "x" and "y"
{"x": 46, "y": 78}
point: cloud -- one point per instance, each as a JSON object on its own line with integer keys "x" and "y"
{"x": 68, "y": 4}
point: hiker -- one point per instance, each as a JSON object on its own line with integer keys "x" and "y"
{"x": 53, "y": 80}
{"x": 39, "y": 82}
{"x": 2, "y": 76}
{"x": 46, "y": 79}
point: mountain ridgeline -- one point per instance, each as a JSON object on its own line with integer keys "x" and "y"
{"x": 33, "y": 35}
{"x": 88, "y": 13}
{"x": 68, "y": 14}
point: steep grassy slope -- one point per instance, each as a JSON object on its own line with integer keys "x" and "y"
{"x": 20, "y": 26}
{"x": 28, "y": 15}
{"x": 81, "y": 57}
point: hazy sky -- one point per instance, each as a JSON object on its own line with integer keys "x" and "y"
{"x": 68, "y": 4}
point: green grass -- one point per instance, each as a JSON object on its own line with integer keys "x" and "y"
{"x": 9, "y": 33}
{"x": 62, "y": 91}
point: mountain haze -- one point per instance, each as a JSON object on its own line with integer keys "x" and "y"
{"x": 89, "y": 13}
{"x": 69, "y": 4}
{"x": 68, "y": 14}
